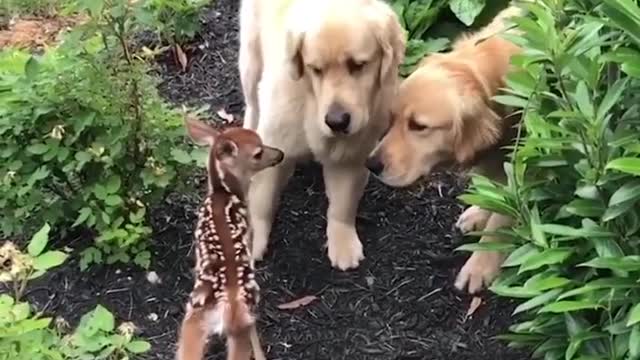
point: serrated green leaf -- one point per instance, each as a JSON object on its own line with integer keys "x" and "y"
{"x": 83, "y": 214}
{"x": 39, "y": 240}
{"x": 466, "y": 10}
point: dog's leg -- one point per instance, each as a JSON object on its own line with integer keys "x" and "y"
{"x": 344, "y": 187}
{"x": 258, "y": 353}
{"x": 193, "y": 335}
{"x": 483, "y": 266}
{"x": 264, "y": 196}
{"x": 250, "y": 61}
{"x": 474, "y": 218}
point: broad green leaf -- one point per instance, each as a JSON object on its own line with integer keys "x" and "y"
{"x": 520, "y": 255}
{"x": 547, "y": 257}
{"x": 634, "y": 315}
{"x": 625, "y": 164}
{"x": 39, "y": 240}
{"x": 181, "y": 156}
{"x": 466, "y": 10}
{"x": 138, "y": 347}
{"x": 113, "y": 200}
{"x": 568, "y": 306}
{"x": 585, "y": 208}
{"x": 544, "y": 281}
{"x": 38, "y": 149}
{"x": 538, "y": 301}
{"x": 49, "y": 260}
{"x": 113, "y": 184}
{"x": 102, "y": 319}
{"x": 627, "y": 192}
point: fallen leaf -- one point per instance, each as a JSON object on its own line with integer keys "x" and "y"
{"x": 303, "y": 301}
{"x": 475, "y": 304}
{"x": 224, "y": 115}
{"x": 182, "y": 57}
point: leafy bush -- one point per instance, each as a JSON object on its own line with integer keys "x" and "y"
{"x": 418, "y": 17}
{"x": 86, "y": 139}
{"x": 176, "y": 21}
{"x": 573, "y": 182}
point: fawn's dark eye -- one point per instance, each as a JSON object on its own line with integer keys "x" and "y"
{"x": 415, "y": 126}
{"x": 258, "y": 155}
{"x": 355, "y": 66}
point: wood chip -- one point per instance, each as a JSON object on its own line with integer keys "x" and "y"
{"x": 224, "y": 115}
{"x": 182, "y": 57}
{"x": 303, "y": 301}
{"x": 475, "y": 304}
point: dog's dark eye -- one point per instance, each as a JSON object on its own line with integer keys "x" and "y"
{"x": 258, "y": 155}
{"x": 355, "y": 66}
{"x": 316, "y": 70}
{"x": 415, "y": 126}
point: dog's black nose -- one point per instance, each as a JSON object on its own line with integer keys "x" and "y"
{"x": 374, "y": 165}
{"x": 337, "y": 118}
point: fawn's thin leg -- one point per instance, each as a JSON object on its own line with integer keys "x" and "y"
{"x": 193, "y": 336}
{"x": 258, "y": 353}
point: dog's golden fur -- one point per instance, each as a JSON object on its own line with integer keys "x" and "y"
{"x": 444, "y": 114}
{"x": 306, "y": 62}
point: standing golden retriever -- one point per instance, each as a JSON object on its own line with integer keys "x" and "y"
{"x": 317, "y": 78}
{"x": 443, "y": 113}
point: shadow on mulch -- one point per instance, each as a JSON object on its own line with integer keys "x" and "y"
{"x": 399, "y": 304}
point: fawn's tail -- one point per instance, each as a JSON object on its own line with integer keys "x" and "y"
{"x": 193, "y": 336}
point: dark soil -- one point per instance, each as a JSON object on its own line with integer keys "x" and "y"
{"x": 399, "y": 304}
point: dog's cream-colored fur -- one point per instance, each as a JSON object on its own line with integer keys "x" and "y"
{"x": 298, "y": 60}
{"x": 443, "y": 114}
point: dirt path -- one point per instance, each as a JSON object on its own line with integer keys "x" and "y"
{"x": 398, "y": 305}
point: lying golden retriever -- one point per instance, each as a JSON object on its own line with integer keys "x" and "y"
{"x": 318, "y": 77}
{"x": 444, "y": 114}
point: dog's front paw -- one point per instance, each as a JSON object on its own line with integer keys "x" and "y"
{"x": 344, "y": 246}
{"x": 479, "y": 271}
{"x": 473, "y": 219}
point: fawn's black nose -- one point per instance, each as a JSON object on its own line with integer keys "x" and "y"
{"x": 337, "y": 118}
{"x": 374, "y": 165}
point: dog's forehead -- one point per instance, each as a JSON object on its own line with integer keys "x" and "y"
{"x": 336, "y": 40}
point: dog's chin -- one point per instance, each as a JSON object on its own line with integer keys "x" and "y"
{"x": 396, "y": 181}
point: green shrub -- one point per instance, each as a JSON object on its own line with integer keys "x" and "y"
{"x": 175, "y": 21}
{"x": 85, "y": 138}
{"x": 573, "y": 182}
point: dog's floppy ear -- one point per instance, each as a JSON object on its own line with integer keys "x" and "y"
{"x": 392, "y": 40}
{"x": 479, "y": 128}
{"x": 293, "y": 49}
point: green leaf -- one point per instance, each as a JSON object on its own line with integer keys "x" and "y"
{"x": 510, "y": 100}
{"x": 138, "y": 347}
{"x": 31, "y": 68}
{"x": 514, "y": 291}
{"x": 568, "y": 306}
{"x": 585, "y": 208}
{"x": 113, "y": 184}
{"x": 49, "y": 260}
{"x": 181, "y": 156}
{"x": 583, "y": 99}
{"x": 466, "y": 10}
{"x": 627, "y": 192}
{"x": 113, "y": 200}
{"x": 634, "y": 315}
{"x": 625, "y": 164}
{"x": 486, "y": 246}
{"x": 100, "y": 192}
{"x": 537, "y": 232}
{"x": 626, "y": 263}
{"x": 39, "y": 240}
{"x": 102, "y": 319}
{"x": 603, "y": 283}
{"x": 520, "y": 255}
{"x": 612, "y": 97}
{"x": 538, "y": 301}
{"x": 547, "y": 257}
{"x": 82, "y": 216}
{"x": 634, "y": 343}
{"x": 38, "y": 149}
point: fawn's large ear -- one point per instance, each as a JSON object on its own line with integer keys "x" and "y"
{"x": 226, "y": 148}
{"x": 201, "y": 133}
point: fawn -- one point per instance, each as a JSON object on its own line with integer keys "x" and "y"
{"x": 225, "y": 293}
